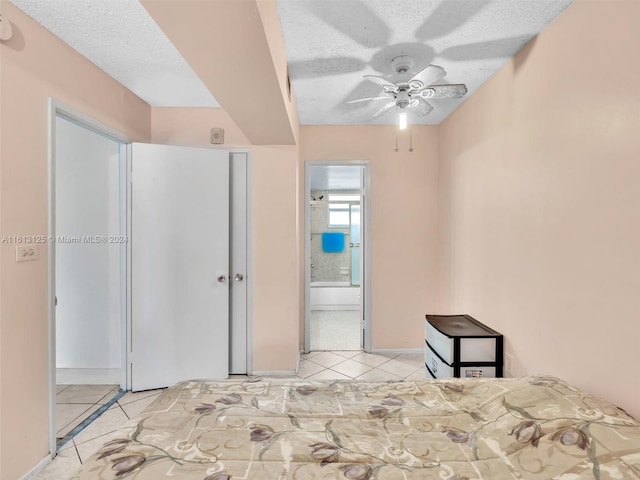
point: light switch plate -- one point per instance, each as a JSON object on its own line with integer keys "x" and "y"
{"x": 217, "y": 136}
{"x": 27, "y": 252}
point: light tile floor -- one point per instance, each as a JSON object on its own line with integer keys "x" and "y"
{"x": 335, "y": 330}
{"x": 74, "y": 403}
{"x": 314, "y": 365}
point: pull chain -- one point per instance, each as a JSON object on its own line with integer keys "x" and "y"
{"x": 396, "y": 139}
{"x": 411, "y": 138}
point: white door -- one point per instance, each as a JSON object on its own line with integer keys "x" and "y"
{"x": 179, "y": 265}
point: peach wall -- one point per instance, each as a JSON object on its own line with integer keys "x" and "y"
{"x": 539, "y": 189}
{"x": 191, "y": 127}
{"x": 273, "y": 33}
{"x": 276, "y": 236}
{"x": 36, "y": 65}
{"x": 403, "y": 224}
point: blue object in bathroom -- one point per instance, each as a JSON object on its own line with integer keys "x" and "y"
{"x": 333, "y": 242}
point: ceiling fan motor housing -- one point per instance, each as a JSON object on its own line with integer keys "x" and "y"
{"x": 402, "y": 64}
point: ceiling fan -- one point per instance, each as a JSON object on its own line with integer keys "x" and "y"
{"x": 412, "y": 94}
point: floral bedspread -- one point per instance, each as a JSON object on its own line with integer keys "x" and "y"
{"x": 493, "y": 429}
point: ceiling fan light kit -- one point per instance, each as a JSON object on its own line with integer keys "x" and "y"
{"x": 402, "y": 119}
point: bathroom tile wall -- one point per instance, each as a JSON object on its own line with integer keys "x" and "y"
{"x": 327, "y": 267}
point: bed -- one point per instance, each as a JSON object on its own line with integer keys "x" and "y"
{"x": 528, "y": 428}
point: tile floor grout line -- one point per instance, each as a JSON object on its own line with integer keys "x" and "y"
{"x": 319, "y": 364}
{"x": 124, "y": 411}
{"x": 155, "y": 392}
{"x": 339, "y": 373}
{"x": 371, "y": 368}
{"x": 58, "y": 393}
{"x": 86, "y": 422}
{"x": 108, "y": 394}
{"x": 91, "y": 405}
{"x": 354, "y": 359}
{"x": 77, "y": 452}
{"x": 106, "y": 434}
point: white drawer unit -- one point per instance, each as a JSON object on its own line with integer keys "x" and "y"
{"x": 461, "y": 346}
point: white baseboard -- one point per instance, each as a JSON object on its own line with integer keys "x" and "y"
{"x": 87, "y": 376}
{"x": 37, "y": 469}
{"x": 274, "y": 373}
{"x": 396, "y": 351}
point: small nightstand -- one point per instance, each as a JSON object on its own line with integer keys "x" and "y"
{"x": 461, "y": 346}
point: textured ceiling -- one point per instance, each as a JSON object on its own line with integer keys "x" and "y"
{"x": 331, "y": 44}
{"x": 122, "y": 39}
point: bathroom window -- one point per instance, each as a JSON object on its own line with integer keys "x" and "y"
{"x": 338, "y": 214}
{"x": 342, "y": 197}
{"x": 339, "y": 205}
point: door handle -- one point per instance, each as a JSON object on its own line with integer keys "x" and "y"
{"x": 222, "y": 278}
{"x": 239, "y": 277}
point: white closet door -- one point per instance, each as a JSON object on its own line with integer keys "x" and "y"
{"x": 179, "y": 265}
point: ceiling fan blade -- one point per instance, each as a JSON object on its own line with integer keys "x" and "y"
{"x": 384, "y": 109}
{"x": 444, "y": 91}
{"x": 367, "y": 99}
{"x": 429, "y": 74}
{"x": 363, "y": 89}
{"x": 422, "y": 108}
{"x": 382, "y": 82}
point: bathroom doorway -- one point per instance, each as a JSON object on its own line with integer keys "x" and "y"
{"x": 336, "y": 257}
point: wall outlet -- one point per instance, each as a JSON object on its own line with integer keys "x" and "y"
{"x": 26, "y": 252}
{"x": 508, "y": 365}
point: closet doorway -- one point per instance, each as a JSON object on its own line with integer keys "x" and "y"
{"x": 337, "y": 267}
{"x": 88, "y": 244}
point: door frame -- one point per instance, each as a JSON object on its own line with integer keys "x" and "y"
{"x": 60, "y": 109}
{"x": 234, "y": 217}
{"x": 365, "y": 279}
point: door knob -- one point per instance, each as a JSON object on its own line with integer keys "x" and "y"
{"x": 222, "y": 278}
{"x": 239, "y": 277}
